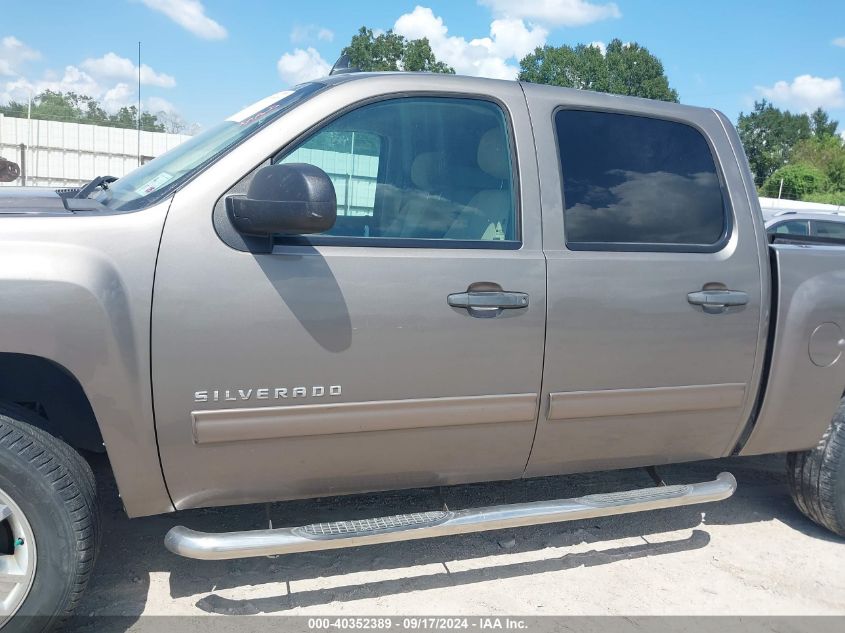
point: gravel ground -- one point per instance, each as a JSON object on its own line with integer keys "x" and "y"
{"x": 753, "y": 554}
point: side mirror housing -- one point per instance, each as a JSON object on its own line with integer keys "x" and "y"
{"x": 285, "y": 199}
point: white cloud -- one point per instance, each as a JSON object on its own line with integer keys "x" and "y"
{"x": 839, "y": 41}
{"x": 510, "y": 39}
{"x": 554, "y": 12}
{"x": 190, "y": 15}
{"x": 72, "y": 80}
{"x": 157, "y": 104}
{"x": 806, "y": 93}
{"x": 112, "y": 66}
{"x": 110, "y": 79}
{"x": 117, "y": 97}
{"x": 13, "y": 53}
{"x": 112, "y": 96}
{"x": 300, "y": 33}
{"x": 517, "y": 28}
{"x": 302, "y": 65}
{"x": 309, "y": 32}
{"x": 599, "y": 45}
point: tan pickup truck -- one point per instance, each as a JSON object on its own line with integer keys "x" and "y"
{"x": 384, "y": 281}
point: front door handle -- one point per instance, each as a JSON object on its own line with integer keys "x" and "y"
{"x": 489, "y": 299}
{"x": 487, "y": 303}
{"x": 717, "y": 301}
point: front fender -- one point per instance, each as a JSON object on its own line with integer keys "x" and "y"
{"x": 78, "y": 291}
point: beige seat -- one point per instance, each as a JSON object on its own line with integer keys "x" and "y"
{"x": 488, "y": 214}
{"x": 424, "y": 211}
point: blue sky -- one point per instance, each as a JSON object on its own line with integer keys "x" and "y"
{"x": 207, "y": 58}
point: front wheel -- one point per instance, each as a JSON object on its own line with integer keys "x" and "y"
{"x": 817, "y": 477}
{"x": 49, "y": 525}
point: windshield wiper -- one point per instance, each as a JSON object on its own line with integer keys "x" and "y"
{"x": 91, "y": 187}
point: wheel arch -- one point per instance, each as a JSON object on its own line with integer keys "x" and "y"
{"x": 54, "y": 394}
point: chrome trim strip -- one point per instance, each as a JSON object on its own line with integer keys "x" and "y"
{"x": 264, "y": 423}
{"x": 208, "y": 546}
{"x": 572, "y": 405}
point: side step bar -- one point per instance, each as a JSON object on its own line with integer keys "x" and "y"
{"x": 405, "y": 527}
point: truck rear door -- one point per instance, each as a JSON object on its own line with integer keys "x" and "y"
{"x": 403, "y": 348}
{"x": 655, "y": 284}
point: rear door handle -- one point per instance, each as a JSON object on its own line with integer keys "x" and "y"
{"x": 717, "y": 301}
{"x": 487, "y": 303}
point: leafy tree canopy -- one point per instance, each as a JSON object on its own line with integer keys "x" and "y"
{"x": 822, "y": 125}
{"x": 825, "y": 153}
{"x": 827, "y": 197}
{"x": 391, "y": 51}
{"x": 816, "y": 163}
{"x": 75, "y": 108}
{"x": 771, "y": 135}
{"x": 623, "y": 69}
{"x": 799, "y": 181}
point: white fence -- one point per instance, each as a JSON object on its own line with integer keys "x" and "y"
{"x": 773, "y": 205}
{"x": 57, "y": 154}
{"x": 353, "y": 176}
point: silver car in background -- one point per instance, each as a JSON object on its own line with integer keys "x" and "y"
{"x": 829, "y": 225}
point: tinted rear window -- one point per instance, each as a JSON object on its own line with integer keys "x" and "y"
{"x": 636, "y": 183}
{"x": 829, "y": 229}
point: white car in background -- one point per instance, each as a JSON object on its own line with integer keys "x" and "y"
{"x": 827, "y": 225}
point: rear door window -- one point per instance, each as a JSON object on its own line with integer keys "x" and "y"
{"x": 829, "y": 229}
{"x": 637, "y": 183}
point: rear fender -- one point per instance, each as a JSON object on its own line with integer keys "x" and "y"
{"x": 807, "y": 368}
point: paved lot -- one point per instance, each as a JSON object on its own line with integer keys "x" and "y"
{"x": 752, "y": 554}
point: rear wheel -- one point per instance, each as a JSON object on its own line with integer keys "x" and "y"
{"x": 49, "y": 531}
{"x": 817, "y": 477}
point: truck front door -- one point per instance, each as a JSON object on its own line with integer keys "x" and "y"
{"x": 376, "y": 355}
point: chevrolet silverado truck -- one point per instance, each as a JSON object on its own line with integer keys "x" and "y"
{"x": 388, "y": 281}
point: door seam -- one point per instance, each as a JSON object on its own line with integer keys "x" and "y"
{"x": 540, "y": 399}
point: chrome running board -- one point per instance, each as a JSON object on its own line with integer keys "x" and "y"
{"x": 405, "y": 527}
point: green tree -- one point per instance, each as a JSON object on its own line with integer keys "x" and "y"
{"x": 391, "y": 51}
{"x": 822, "y": 125}
{"x": 799, "y": 181}
{"x": 825, "y": 153}
{"x": 769, "y": 136}
{"x": 623, "y": 69}
{"x": 75, "y": 108}
{"x": 827, "y": 197}
{"x": 127, "y": 117}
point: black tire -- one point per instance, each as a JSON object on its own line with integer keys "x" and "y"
{"x": 55, "y": 489}
{"x": 817, "y": 477}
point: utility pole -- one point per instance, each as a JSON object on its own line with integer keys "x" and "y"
{"x": 139, "y": 104}
{"x": 780, "y": 189}
{"x": 28, "y": 138}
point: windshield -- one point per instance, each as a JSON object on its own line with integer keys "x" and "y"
{"x": 161, "y": 176}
